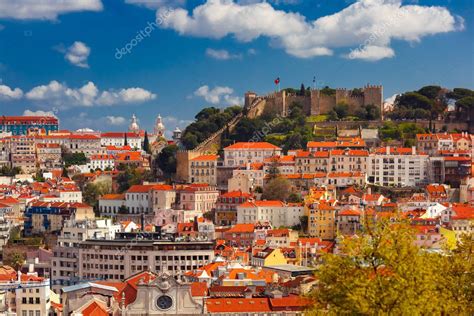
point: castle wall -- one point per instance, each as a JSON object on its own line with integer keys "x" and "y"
{"x": 301, "y": 99}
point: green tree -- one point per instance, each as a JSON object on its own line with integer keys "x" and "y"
{"x": 65, "y": 173}
{"x": 74, "y": 159}
{"x": 38, "y": 177}
{"x": 277, "y": 189}
{"x": 146, "y": 144}
{"x": 14, "y": 259}
{"x": 294, "y": 198}
{"x": 92, "y": 192}
{"x": 368, "y": 112}
{"x": 166, "y": 160}
{"x": 342, "y": 110}
{"x": 383, "y": 272}
{"x": 302, "y": 90}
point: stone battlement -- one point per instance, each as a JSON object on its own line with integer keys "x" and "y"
{"x": 316, "y": 102}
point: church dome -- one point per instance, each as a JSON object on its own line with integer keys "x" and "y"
{"x": 133, "y": 127}
{"x": 159, "y": 126}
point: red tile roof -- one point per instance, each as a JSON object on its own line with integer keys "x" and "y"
{"x": 242, "y": 228}
{"x": 252, "y": 145}
{"x": 95, "y": 309}
{"x": 206, "y": 158}
{"x": 251, "y": 204}
{"x": 198, "y": 289}
{"x": 238, "y": 305}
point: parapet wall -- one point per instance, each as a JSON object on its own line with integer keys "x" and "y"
{"x": 317, "y": 102}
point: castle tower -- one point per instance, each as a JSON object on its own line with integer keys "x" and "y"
{"x": 373, "y": 94}
{"x": 159, "y": 126}
{"x": 177, "y": 135}
{"x": 249, "y": 97}
{"x": 133, "y": 127}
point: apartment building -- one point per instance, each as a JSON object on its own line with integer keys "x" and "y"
{"x": 340, "y": 143}
{"x": 102, "y": 162}
{"x": 132, "y": 139}
{"x": 348, "y": 222}
{"x": 48, "y": 156}
{"x": 65, "y": 261}
{"x": 226, "y": 207}
{"x": 322, "y": 220}
{"x": 348, "y": 160}
{"x": 284, "y": 164}
{"x": 253, "y": 171}
{"x": 311, "y": 162}
{"x": 84, "y": 143}
{"x": 401, "y": 167}
{"x": 277, "y": 213}
{"x": 23, "y": 153}
{"x": 138, "y": 199}
{"x": 120, "y": 258}
{"x": 203, "y": 169}
{"x": 242, "y": 153}
{"x": 47, "y": 217}
{"x": 198, "y": 197}
{"x": 111, "y": 204}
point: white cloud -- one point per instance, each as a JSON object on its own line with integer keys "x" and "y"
{"x": 368, "y": 26}
{"x": 172, "y": 122}
{"x": 389, "y": 102}
{"x": 77, "y": 54}
{"x": 218, "y": 94}
{"x": 38, "y": 113}
{"x": 155, "y": 4}
{"x": 45, "y": 9}
{"x": 221, "y": 54}
{"x": 252, "y": 51}
{"x": 61, "y": 95}
{"x": 371, "y": 53}
{"x": 7, "y": 93}
{"x": 116, "y": 120}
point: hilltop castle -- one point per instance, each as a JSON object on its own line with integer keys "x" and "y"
{"x": 315, "y": 101}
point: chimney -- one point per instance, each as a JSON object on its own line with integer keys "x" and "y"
{"x": 413, "y": 150}
{"x": 387, "y": 150}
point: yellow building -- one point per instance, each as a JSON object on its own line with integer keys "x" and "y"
{"x": 322, "y": 220}
{"x": 268, "y": 257}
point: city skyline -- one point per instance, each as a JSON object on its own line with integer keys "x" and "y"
{"x": 182, "y": 60}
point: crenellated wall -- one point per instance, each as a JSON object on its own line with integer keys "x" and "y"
{"x": 316, "y": 102}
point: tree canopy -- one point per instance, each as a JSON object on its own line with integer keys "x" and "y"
{"x": 383, "y": 272}
{"x": 277, "y": 189}
{"x": 208, "y": 121}
{"x": 166, "y": 160}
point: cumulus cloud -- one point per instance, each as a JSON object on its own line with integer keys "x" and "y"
{"x": 38, "y": 113}
{"x": 221, "y": 54}
{"x": 155, "y": 4}
{"x": 7, "y": 93}
{"x": 371, "y": 53}
{"x": 116, "y": 120}
{"x": 88, "y": 95}
{"x": 171, "y": 122}
{"x": 218, "y": 95}
{"x": 366, "y": 26}
{"x": 389, "y": 102}
{"x": 77, "y": 54}
{"x": 45, "y": 9}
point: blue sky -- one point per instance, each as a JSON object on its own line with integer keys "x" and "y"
{"x": 64, "y": 58}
